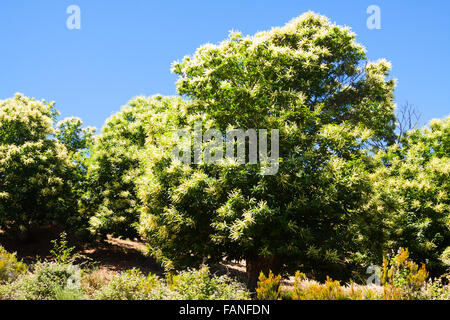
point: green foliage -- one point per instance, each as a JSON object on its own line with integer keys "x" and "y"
{"x": 130, "y": 285}
{"x": 200, "y": 285}
{"x": 268, "y": 287}
{"x": 78, "y": 141}
{"x": 115, "y": 166}
{"x": 402, "y": 277}
{"x": 38, "y": 177}
{"x": 187, "y": 285}
{"x": 313, "y": 82}
{"x": 445, "y": 257}
{"x": 60, "y": 251}
{"x": 330, "y": 291}
{"x": 344, "y": 194}
{"x": 10, "y": 267}
{"x": 72, "y": 134}
{"x": 49, "y": 281}
{"x": 265, "y": 80}
{"x": 412, "y": 194}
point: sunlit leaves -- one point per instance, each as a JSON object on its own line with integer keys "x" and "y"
{"x": 413, "y": 192}
{"x": 37, "y": 174}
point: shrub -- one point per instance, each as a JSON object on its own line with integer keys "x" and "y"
{"x": 305, "y": 289}
{"x": 10, "y": 267}
{"x": 60, "y": 250}
{"x": 330, "y": 291}
{"x": 186, "y": 285}
{"x": 49, "y": 281}
{"x": 402, "y": 278}
{"x": 445, "y": 258}
{"x": 69, "y": 294}
{"x": 94, "y": 280}
{"x": 268, "y": 287}
{"x": 200, "y": 285}
{"x": 435, "y": 290}
{"x": 130, "y": 285}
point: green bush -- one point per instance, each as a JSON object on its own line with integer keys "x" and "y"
{"x": 49, "y": 281}
{"x": 187, "y": 285}
{"x": 436, "y": 290}
{"x": 61, "y": 252}
{"x": 445, "y": 258}
{"x": 412, "y": 195}
{"x": 69, "y": 294}
{"x": 10, "y": 267}
{"x": 200, "y": 285}
{"x": 130, "y": 285}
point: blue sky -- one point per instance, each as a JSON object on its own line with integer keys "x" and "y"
{"x": 125, "y": 48}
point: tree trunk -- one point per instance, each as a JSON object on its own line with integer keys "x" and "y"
{"x": 255, "y": 265}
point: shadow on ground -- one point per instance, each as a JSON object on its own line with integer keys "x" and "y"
{"x": 111, "y": 254}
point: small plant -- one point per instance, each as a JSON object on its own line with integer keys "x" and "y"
{"x": 268, "y": 287}
{"x": 61, "y": 252}
{"x": 50, "y": 278}
{"x": 186, "y": 285}
{"x": 64, "y": 254}
{"x": 10, "y": 267}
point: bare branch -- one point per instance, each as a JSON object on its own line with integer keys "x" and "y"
{"x": 408, "y": 118}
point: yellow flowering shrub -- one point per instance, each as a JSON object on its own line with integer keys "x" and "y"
{"x": 402, "y": 278}
{"x": 268, "y": 287}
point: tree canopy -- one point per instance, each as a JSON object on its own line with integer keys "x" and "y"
{"x": 310, "y": 80}
{"x": 412, "y": 193}
{"x": 38, "y": 181}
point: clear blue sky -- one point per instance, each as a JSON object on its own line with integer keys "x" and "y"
{"x": 125, "y": 48}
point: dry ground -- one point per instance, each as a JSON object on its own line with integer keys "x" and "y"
{"x": 109, "y": 256}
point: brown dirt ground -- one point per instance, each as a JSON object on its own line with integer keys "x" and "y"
{"x": 110, "y": 255}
